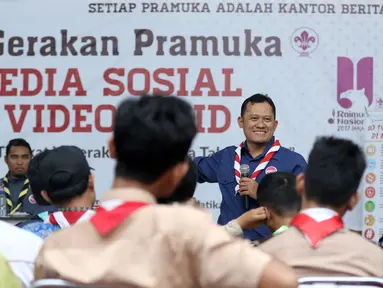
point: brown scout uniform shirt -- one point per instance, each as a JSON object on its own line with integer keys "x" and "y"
{"x": 157, "y": 246}
{"x": 343, "y": 253}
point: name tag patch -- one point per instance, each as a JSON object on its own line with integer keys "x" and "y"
{"x": 31, "y": 199}
{"x": 271, "y": 169}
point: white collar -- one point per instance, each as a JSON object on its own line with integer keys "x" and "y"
{"x": 319, "y": 214}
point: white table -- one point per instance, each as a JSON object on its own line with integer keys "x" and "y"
{"x": 15, "y": 218}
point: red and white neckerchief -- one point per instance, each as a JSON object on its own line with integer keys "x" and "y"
{"x": 317, "y": 223}
{"x": 110, "y": 214}
{"x": 262, "y": 165}
{"x": 68, "y": 218}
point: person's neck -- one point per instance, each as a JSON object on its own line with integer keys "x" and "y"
{"x": 285, "y": 222}
{"x": 120, "y": 182}
{"x": 312, "y": 204}
{"x": 281, "y": 221}
{"x": 255, "y": 149}
{"x": 15, "y": 177}
{"x": 78, "y": 202}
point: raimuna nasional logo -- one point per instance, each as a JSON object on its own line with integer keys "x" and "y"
{"x": 355, "y": 93}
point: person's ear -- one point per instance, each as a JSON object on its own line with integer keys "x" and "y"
{"x": 240, "y": 121}
{"x": 44, "y": 194}
{"x": 170, "y": 180}
{"x": 352, "y": 202}
{"x": 178, "y": 172}
{"x": 112, "y": 148}
{"x": 276, "y": 124}
{"x": 300, "y": 184}
{"x": 91, "y": 181}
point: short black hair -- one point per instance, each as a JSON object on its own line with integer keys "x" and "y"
{"x": 334, "y": 170}
{"x": 17, "y": 143}
{"x": 258, "y": 98}
{"x": 185, "y": 190}
{"x": 277, "y": 191}
{"x": 151, "y": 135}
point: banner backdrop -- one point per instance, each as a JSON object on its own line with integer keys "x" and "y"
{"x": 64, "y": 65}
{"x": 372, "y": 199}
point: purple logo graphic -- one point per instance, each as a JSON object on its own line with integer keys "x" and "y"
{"x": 304, "y": 41}
{"x": 348, "y": 95}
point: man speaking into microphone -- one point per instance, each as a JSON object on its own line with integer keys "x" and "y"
{"x": 239, "y": 169}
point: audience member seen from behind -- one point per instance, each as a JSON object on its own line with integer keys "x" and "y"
{"x": 182, "y": 247}
{"x": 316, "y": 243}
{"x": 15, "y": 184}
{"x": 61, "y": 177}
{"x": 184, "y": 194}
{"x": 277, "y": 193}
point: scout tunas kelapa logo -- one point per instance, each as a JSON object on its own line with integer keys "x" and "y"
{"x": 304, "y": 41}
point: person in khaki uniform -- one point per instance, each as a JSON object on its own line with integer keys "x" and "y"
{"x": 131, "y": 241}
{"x": 317, "y": 244}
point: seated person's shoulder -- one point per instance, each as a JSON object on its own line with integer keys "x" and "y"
{"x": 353, "y": 240}
{"x": 41, "y": 229}
{"x": 183, "y": 211}
{"x": 278, "y": 241}
{"x": 184, "y": 217}
{"x": 19, "y": 236}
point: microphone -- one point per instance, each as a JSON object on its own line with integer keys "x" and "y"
{"x": 244, "y": 169}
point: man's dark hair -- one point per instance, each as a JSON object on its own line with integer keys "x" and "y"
{"x": 17, "y": 143}
{"x": 258, "y": 98}
{"x": 151, "y": 135}
{"x": 277, "y": 191}
{"x": 185, "y": 190}
{"x": 334, "y": 170}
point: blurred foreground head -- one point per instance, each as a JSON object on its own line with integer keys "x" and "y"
{"x": 151, "y": 139}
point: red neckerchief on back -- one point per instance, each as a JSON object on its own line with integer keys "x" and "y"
{"x": 106, "y": 220}
{"x": 315, "y": 231}
{"x": 68, "y": 218}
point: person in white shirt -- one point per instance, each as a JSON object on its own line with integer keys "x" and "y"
{"x": 20, "y": 248}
